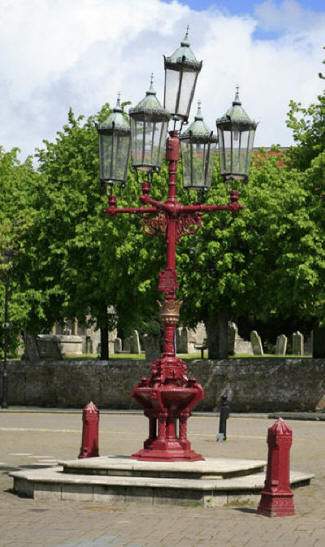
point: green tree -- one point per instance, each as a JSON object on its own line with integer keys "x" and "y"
{"x": 17, "y": 187}
{"x": 268, "y": 260}
{"x": 81, "y": 259}
{"x": 308, "y": 129}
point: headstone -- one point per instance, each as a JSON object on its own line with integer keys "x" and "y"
{"x": 31, "y": 349}
{"x": 182, "y": 340}
{"x": 49, "y": 345}
{"x": 298, "y": 343}
{"x": 127, "y": 344}
{"x": 308, "y": 344}
{"x": 281, "y": 345}
{"x": 319, "y": 342}
{"x": 232, "y": 335}
{"x": 256, "y": 343}
{"x": 236, "y": 344}
{"x": 135, "y": 343}
{"x": 151, "y": 346}
{"x": 88, "y": 345}
{"x": 131, "y": 344}
{"x": 117, "y": 345}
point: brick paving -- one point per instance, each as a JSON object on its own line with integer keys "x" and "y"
{"x": 30, "y": 440}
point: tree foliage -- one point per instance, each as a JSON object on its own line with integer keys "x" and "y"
{"x": 17, "y": 189}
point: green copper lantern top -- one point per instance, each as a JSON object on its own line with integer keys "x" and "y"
{"x": 198, "y": 131}
{"x": 236, "y": 115}
{"x": 115, "y": 121}
{"x": 184, "y": 56}
{"x": 149, "y": 108}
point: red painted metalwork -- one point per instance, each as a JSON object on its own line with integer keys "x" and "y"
{"x": 277, "y": 496}
{"x": 89, "y": 443}
{"x": 168, "y": 395}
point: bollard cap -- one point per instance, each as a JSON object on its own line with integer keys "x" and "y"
{"x": 279, "y": 431}
{"x": 90, "y": 408}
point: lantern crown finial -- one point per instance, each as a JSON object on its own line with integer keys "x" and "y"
{"x": 149, "y": 107}
{"x": 185, "y": 42}
{"x": 184, "y": 54}
{"x": 236, "y": 100}
{"x": 117, "y": 107}
{"x": 116, "y": 119}
{"x": 151, "y": 90}
{"x": 198, "y": 115}
{"x": 198, "y": 131}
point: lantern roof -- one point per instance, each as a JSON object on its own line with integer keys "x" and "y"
{"x": 149, "y": 108}
{"x": 237, "y": 115}
{"x": 198, "y": 131}
{"x": 184, "y": 55}
{"x": 116, "y": 120}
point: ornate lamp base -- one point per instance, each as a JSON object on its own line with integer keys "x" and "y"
{"x": 167, "y": 406}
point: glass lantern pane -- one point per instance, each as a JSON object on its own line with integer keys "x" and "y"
{"x": 242, "y": 153}
{"x": 185, "y": 98}
{"x": 158, "y": 142}
{"x": 250, "y": 149}
{"x": 199, "y": 153}
{"x": 235, "y": 144}
{"x": 105, "y": 156}
{"x": 137, "y": 129}
{"x": 171, "y": 90}
{"x": 209, "y": 163}
{"x": 227, "y": 151}
{"x": 186, "y": 163}
{"x": 148, "y": 142}
{"x": 120, "y": 157}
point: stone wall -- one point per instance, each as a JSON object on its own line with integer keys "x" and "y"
{"x": 262, "y": 385}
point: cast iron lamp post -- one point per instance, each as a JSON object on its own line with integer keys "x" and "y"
{"x": 168, "y": 395}
{"x": 7, "y": 258}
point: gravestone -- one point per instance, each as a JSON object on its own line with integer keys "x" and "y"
{"x": 319, "y": 342}
{"x": 297, "y": 343}
{"x": 49, "y": 346}
{"x": 256, "y": 343}
{"x": 236, "y": 344}
{"x": 182, "y": 340}
{"x": 135, "y": 342}
{"x": 117, "y": 345}
{"x": 281, "y": 345}
{"x": 151, "y": 346}
{"x": 232, "y": 335}
{"x": 31, "y": 348}
{"x": 131, "y": 344}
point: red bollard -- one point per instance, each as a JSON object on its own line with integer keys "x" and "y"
{"x": 89, "y": 443}
{"x": 277, "y": 496}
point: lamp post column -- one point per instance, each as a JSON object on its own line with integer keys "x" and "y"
{"x": 4, "y": 400}
{"x": 172, "y": 154}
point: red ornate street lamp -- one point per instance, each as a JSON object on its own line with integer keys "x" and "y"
{"x": 167, "y": 395}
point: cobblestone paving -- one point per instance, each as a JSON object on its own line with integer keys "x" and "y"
{"x": 40, "y": 439}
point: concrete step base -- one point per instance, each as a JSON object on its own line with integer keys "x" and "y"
{"x": 114, "y": 482}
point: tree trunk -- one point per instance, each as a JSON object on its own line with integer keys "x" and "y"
{"x": 104, "y": 353}
{"x": 217, "y": 333}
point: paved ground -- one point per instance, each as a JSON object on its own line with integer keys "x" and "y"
{"x": 40, "y": 439}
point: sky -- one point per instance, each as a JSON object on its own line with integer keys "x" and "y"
{"x": 57, "y": 54}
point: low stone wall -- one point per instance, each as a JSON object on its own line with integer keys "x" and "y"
{"x": 261, "y": 385}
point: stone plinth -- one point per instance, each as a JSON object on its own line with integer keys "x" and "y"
{"x": 210, "y": 483}
{"x": 69, "y": 344}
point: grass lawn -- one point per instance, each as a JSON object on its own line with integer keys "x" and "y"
{"x": 186, "y": 356}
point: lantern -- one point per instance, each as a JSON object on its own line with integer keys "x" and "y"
{"x": 114, "y": 147}
{"x": 149, "y": 122}
{"x": 199, "y": 146}
{"x": 181, "y": 72}
{"x": 236, "y": 133}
